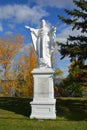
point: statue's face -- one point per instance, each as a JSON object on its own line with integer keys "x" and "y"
{"x": 43, "y": 23}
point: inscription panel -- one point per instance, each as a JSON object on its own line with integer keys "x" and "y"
{"x": 43, "y": 87}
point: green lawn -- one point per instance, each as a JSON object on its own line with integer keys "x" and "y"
{"x": 71, "y": 115}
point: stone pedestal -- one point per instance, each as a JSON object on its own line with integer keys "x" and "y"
{"x": 43, "y": 104}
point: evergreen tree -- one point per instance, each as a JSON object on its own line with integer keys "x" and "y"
{"x": 76, "y": 46}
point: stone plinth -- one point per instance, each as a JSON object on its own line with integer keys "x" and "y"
{"x": 43, "y": 104}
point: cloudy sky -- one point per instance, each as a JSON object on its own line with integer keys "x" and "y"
{"x": 15, "y": 14}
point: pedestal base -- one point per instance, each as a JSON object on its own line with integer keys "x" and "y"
{"x": 43, "y": 109}
{"x": 43, "y": 104}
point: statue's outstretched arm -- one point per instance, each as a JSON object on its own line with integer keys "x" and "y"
{"x": 33, "y": 31}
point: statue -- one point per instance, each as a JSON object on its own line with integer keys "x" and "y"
{"x": 43, "y": 40}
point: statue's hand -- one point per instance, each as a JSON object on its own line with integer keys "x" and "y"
{"x": 27, "y": 27}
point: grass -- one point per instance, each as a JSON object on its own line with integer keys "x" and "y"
{"x": 71, "y": 115}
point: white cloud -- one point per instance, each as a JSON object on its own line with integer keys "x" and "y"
{"x": 1, "y": 28}
{"x": 65, "y": 32}
{"x": 8, "y": 33}
{"x": 11, "y": 25}
{"x": 22, "y": 13}
{"x": 55, "y": 3}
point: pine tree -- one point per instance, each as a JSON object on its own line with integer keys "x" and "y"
{"x": 76, "y": 46}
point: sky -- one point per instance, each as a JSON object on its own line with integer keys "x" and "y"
{"x": 15, "y": 14}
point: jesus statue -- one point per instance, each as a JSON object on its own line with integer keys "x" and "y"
{"x": 43, "y": 40}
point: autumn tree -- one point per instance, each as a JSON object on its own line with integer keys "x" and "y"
{"x": 25, "y": 65}
{"x": 9, "y": 47}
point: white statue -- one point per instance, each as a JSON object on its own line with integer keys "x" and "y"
{"x": 43, "y": 40}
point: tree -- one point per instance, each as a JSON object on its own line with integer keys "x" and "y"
{"x": 76, "y": 46}
{"x": 72, "y": 83}
{"x": 32, "y": 63}
{"x": 25, "y": 65}
{"x": 9, "y": 47}
{"x": 57, "y": 81}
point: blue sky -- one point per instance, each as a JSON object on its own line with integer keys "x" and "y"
{"x": 15, "y": 14}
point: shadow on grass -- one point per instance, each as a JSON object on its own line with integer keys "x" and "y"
{"x": 74, "y": 109}
{"x": 17, "y": 105}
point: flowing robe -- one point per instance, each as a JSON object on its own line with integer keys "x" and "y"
{"x": 43, "y": 39}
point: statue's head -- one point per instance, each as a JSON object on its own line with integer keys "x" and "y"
{"x": 43, "y": 23}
